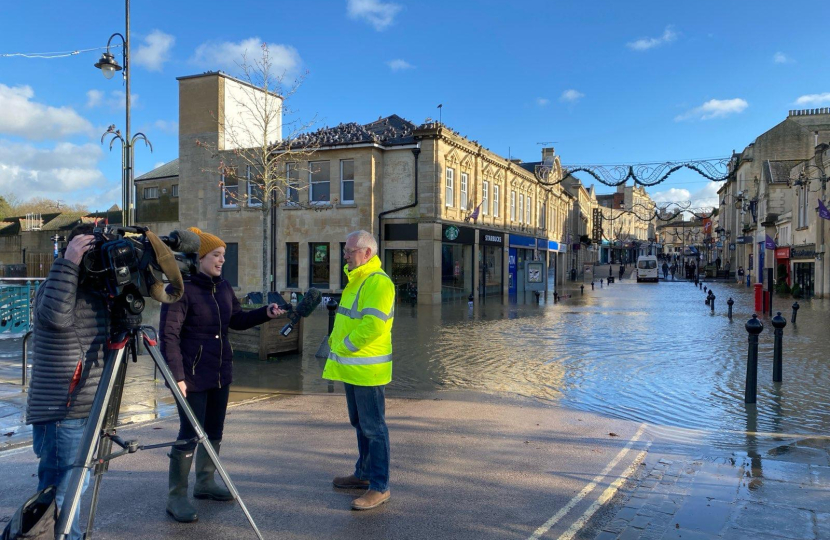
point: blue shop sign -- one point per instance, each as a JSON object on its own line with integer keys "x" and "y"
{"x": 553, "y": 246}
{"x": 542, "y": 244}
{"x": 517, "y": 240}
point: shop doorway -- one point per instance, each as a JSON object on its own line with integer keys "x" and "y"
{"x": 402, "y": 267}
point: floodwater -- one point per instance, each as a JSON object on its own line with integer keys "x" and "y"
{"x": 646, "y": 352}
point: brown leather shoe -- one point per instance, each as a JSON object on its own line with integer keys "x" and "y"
{"x": 371, "y": 499}
{"x": 350, "y": 482}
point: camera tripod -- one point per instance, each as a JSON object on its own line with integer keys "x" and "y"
{"x": 100, "y": 430}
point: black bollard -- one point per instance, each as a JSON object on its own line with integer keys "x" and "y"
{"x": 332, "y": 307}
{"x": 795, "y": 312}
{"x": 729, "y": 303}
{"x": 582, "y": 289}
{"x": 753, "y": 328}
{"x": 592, "y": 285}
{"x": 778, "y": 322}
{"x": 537, "y": 296}
{"x": 712, "y": 301}
{"x": 600, "y": 284}
{"x": 555, "y": 297}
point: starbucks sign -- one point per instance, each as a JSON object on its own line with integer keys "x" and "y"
{"x": 451, "y": 232}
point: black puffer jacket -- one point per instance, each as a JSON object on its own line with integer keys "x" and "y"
{"x": 194, "y": 332}
{"x": 70, "y": 335}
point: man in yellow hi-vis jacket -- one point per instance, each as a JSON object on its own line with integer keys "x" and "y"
{"x": 361, "y": 357}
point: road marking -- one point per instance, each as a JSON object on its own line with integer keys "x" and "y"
{"x": 588, "y": 488}
{"x": 609, "y": 492}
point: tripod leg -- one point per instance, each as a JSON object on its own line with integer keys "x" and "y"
{"x": 92, "y": 432}
{"x": 200, "y": 432}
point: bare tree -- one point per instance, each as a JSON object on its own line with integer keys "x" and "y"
{"x": 269, "y": 164}
{"x": 12, "y": 205}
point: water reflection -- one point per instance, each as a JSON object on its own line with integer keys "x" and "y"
{"x": 644, "y": 352}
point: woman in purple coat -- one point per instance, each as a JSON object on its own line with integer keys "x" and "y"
{"x": 194, "y": 341}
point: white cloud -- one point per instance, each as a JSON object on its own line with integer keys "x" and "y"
{"x": 644, "y": 44}
{"x": 94, "y": 98}
{"x": 155, "y": 51}
{"x": 26, "y": 118}
{"x": 30, "y": 171}
{"x": 714, "y": 108}
{"x": 228, "y": 55}
{"x": 399, "y": 65}
{"x": 542, "y": 102}
{"x": 814, "y": 99}
{"x": 706, "y": 198}
{"x": 670, "y": 195}
{"x": 166, "y": 126}
{"x": 703, "y": 199}
{"x": 571, "y": 96}
{"x": 378, "y": 14}
{"x": 781, "y": 58}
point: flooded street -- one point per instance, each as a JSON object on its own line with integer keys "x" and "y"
{"x": 645, "y": 352}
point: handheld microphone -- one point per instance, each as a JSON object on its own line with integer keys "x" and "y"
{"x": 305, "y": 308}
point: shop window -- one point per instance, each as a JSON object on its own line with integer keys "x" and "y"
{"x": 485, "y": 197}
{"x": 292, "y": 258}
{"x": 449, "y": 195}
{"x": 230, "y": 270}
{"x": 344, "y": 279}
{"x": 230, "y": 189}
{"x": 254, "y": 188}
{"x": 347, "y": 181}
{"x": 319, "y": 264}
{"x": 402, "y": 266}
{"x": 151, "y": 193}
{"x": 495, "y": 200}
{"x": 292, "y": 175}
{"x": 463, "y": 193}
{"x": 319, "y": 179}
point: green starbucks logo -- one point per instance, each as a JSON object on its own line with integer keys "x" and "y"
{"x": 451, "y": 233}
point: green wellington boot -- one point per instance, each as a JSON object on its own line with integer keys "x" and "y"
{"x": 177, "y": 504}
{"x": 206, "y": 487}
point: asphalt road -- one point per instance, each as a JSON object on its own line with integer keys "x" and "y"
{"x": 464, "y": 466}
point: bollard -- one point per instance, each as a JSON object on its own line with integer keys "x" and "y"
{"x": 600, "y": 284}
{"x": 795, "y": 312}
{"x": 729, "y": 303}
{"x": 706, "y": 300}
{"x": 24, "y": 379}
{"x": 592, "y": 285}
{"x": 537, "y": 296}
{"x": 332, "y": 307}
{"x": 778, "y": 322}
{"x": 582, "y": 289}
{"x": 753, "y": 328}
{"x": 704, "y": 289}
{"x": 712, "y": 301}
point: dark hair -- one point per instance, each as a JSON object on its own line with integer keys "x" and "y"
{"x": 83, "y": 228}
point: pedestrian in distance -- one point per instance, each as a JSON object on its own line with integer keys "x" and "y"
{"x": 665, "y": 270}
{"x": 194, "y": 341}
{"x": 622, "y": 271}
{"x": 71, "y": 326}
{"x": 361, "y": 357}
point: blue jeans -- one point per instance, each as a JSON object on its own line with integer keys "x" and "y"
{"x": 367, "y": 410}
{"x": 56, "y": 444}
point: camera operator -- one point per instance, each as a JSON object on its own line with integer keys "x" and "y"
{"x": 194, "y": 341}
{"x": 71, "y": 325}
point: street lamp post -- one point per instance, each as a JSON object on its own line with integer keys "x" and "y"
{"x": 108, "y": 66}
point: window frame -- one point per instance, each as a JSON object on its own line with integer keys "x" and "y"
{"x": 512, "y": 205}
{"x": 311, "y": 263}
{"x": 312, "y": 183}
{"x": 343, "y": 199}
{"x": 147, "y": 189}
{"x": 249, "y": 185}
{"x": 496, "y": 201}
{"x": 224, "y": 190}
{"x": 462, "y": 191}
{"x": 292, "y": 195}
{"x": 174, "y": 191}
{"x": 449, "y": 187}
{"x": 521, "y": 207}
{"x": 485, "y": 197}
{"x": 289, "y": 264}
{"x": 528, "y": 210}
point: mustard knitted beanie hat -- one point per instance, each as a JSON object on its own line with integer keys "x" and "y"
{"x": 207, "y": 241}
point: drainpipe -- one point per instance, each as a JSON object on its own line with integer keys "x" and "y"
{"x": 415, "y": 152}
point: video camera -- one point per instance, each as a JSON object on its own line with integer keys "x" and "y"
{"x": 124, "y": 259}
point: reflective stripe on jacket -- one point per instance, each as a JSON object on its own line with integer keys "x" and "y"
{"x": 361, "y": 341}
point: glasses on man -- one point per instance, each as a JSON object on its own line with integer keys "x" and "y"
{"x": 350, "y": 251}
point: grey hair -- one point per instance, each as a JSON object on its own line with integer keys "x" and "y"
{"x": 364, "y": 239}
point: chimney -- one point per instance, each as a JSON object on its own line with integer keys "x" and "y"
{"x": 548, "y": 153}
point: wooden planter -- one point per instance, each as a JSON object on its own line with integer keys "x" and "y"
{"x": 265, "y": 340}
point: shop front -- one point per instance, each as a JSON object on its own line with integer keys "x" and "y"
{"x": 553, "y": 251}
{"x": 804, "y": 269}
{"x": 401, "y": 259}
{"x": 524, "y": 250}
{"x": 782, "y": 265}
{"x": 491, "y": 261}
{"x": 457, "y": 245}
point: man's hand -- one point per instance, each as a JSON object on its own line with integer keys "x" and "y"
{"x": 274, "y": 311}
{"x": 183, "y": 388}
{"x": 77, "y": 247}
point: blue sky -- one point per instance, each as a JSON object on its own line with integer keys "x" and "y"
{"x": 609, "y": 82}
